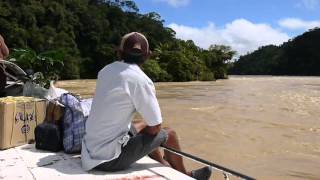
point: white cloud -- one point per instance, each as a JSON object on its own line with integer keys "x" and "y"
{"x": 298, "y": 24}
{"x": 309, "y": 4}
{"x": 241, "y": 34}
{"x": 175, "y": 3}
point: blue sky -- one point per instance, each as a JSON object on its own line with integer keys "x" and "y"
{"x": 242, "y": 24}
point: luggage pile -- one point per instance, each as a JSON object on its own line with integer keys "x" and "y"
{"x": 64, "y": 126}
{"x": 53, "y": 117}
{"x": 55, "y": 125}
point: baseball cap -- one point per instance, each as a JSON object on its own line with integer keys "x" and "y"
{"x": 135, "y": 44}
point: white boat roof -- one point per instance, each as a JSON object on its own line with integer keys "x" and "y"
{"x": 26, "y": 162}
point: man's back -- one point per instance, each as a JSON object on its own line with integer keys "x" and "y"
{"x": 122, "y": 89}
{"x": 112, "y": 111}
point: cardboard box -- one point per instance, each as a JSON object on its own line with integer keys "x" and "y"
{"x": 18, "y": 118}
{"x": 55, "y": 112}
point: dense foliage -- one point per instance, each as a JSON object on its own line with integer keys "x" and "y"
{"x": 299, "y": 56}
{"x": 87, "y": 32}
{"x": 42, "y": 67}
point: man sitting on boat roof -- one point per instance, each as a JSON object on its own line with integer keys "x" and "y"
{"x": 122, "y": 89}
{"x": 4, "y": 53}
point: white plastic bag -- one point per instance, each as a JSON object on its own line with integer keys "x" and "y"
{"x": 86, "y": 106}
{"x": 54, "y": 92}
{"x": 31, "y": 89}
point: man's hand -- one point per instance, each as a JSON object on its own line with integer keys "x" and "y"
{"x": 151, "y": 130}
{"x": 142, "y": 127}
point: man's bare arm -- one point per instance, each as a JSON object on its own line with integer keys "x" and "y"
{"x": 152, "y": 130}
{"x": 4, "y": 51}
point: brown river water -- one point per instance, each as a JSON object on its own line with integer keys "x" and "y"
{"x": 263, "y": 126}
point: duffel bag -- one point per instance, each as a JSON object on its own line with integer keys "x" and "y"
{"x": 73, "y": 123}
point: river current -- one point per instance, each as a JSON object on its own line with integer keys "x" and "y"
{"x": 263, "y": 126}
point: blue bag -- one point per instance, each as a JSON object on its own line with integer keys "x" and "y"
{"x": 73, "y": 123}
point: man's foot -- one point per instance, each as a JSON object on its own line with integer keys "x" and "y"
{"x": 202, "y": 173}
{"x": 164, "y": 162}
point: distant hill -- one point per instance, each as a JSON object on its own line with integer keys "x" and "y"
{"x": 299, "y": 56}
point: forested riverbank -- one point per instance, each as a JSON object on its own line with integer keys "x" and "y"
{"x": 299, "y": 56}
{"x": 76, "y": 38}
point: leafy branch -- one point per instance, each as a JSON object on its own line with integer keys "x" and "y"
{"x": 46, "y": 65}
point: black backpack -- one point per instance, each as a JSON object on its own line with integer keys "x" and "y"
{"x": 48, "y": 137}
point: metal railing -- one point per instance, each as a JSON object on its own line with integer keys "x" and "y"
{"x": 226, "y": 172}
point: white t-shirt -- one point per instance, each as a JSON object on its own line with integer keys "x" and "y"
{"x": 122, "y": 89}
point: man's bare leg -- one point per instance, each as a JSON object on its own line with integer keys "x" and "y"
{"x": 156, "y": 154}
{"x": 171, "y": 159}
{"x": 174, "y": 160}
